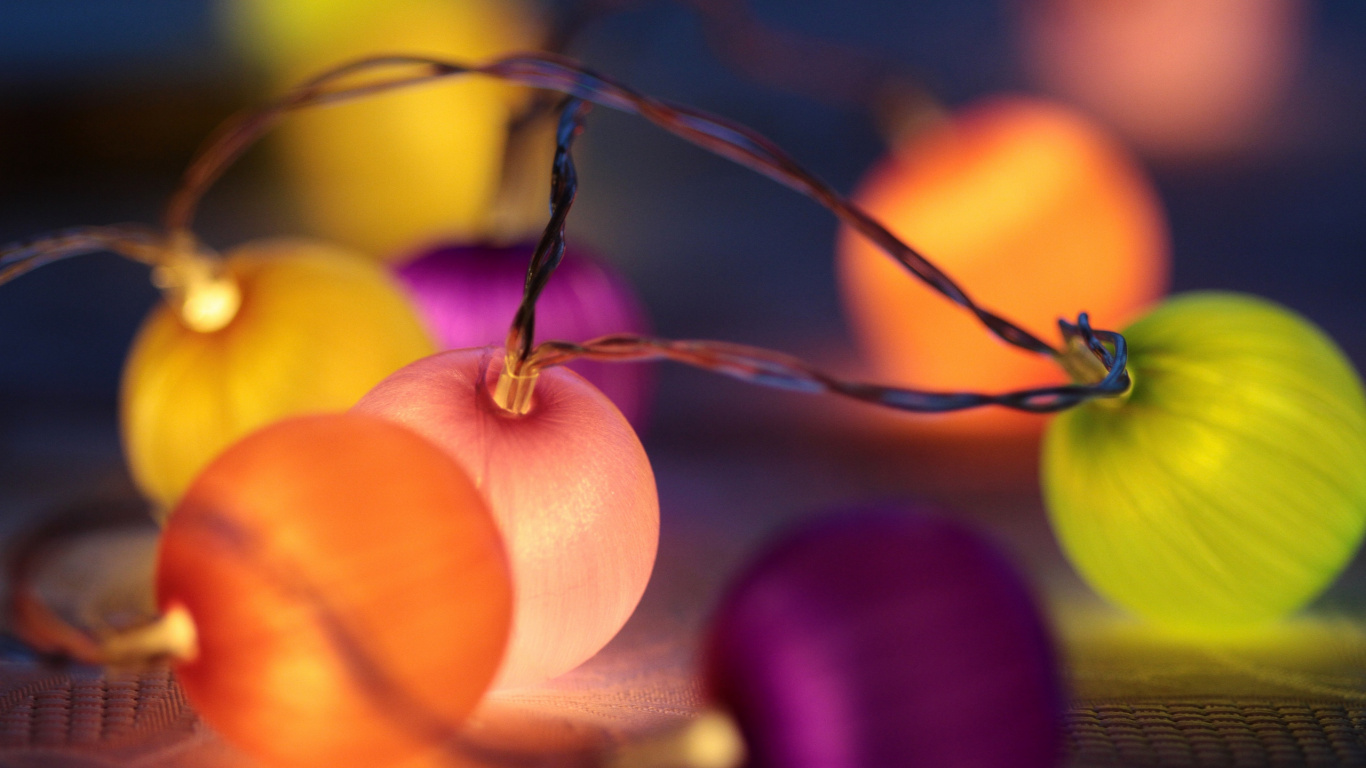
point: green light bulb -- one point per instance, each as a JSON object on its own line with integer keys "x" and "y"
{"x": 1229, "y": 487}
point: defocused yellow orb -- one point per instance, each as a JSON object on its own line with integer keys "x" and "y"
{"x": 389, "y": 172}
{"x": 1229, "y": 488}
{"x": 317, "y": 327}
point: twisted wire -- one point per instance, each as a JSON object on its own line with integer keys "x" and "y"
{"x": 723, "y": 137}
{"x": 548, "y": 71}
{"x": 762, "y": 366}
{"x": 135, "y": 241}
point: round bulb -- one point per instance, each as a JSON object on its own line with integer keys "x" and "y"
{"x": 569, "y": 484}
{"x": 1037, "y": 212}
{"x": 1180, "y": 78}
{"x": 404, "y": 167}
{"x": 211, "y": 306}
{"x": 886, "y": 636}
{"x": 348, "y": 589}
{"x": 1229, "y": 487}
{"x": 469, "y": 294}
{"x": 316, "y": 328}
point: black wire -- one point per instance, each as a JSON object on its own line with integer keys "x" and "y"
{"x": 765, "y": 367}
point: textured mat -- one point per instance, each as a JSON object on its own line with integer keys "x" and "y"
{"x": 85, "y": 718}
{"x": 50, "y": 709}
{"x": 1217, "y": 733}
{"x": 1289, "y": 696}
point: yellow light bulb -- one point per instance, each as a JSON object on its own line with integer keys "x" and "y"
{"x": 313, "y": 328}
{"x": 393, "y": 171}
{"x": 212, "y": 306}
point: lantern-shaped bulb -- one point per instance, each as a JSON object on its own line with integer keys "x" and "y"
{"x": 1031, "y": 207}
{"x": 469, "y": 294}
{"x": 405, "y": 167}
{"x": 315, "y": 328}
{"x": 1229, "y": 486}
{"x": 1177, "y": 78}
{"x": 348, "y": 590}
{"x": 886, "y": 636}
{"x": 569, "y": 484}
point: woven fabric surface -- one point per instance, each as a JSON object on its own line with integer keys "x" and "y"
{"x": 1292, "y": 695}
{"x": 1236, "y": 734}
{"x": 90, "y": 718}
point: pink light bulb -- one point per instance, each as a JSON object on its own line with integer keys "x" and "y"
{"x": 468, "y": 295}
{"x": 569, "y": 485}
{"x": 1182, "y": 78}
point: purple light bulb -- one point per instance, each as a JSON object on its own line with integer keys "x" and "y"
{"x": 468, "y": 295}
{"x": 886, "y": 636}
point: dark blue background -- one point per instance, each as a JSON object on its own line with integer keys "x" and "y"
{"x": 101, "y": 104}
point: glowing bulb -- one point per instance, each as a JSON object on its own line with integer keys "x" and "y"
{"x": 211, "y": 306}
{"x": 205, "y": 297}
{"x": 886, "y": 636}
{"x": 316, "y": 327}
{"x": 1230, "y": 486}
{"x": 571, "y": 489}
{"x": 405, "y": 167}
{"x": 1031, "y": 207}
{"x": 348, "y": 591}
{"x": 1178, "y": 77}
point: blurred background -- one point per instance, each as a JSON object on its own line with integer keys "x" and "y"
{"x": 1250, "y": 116}
{"x": 102, "y": 105}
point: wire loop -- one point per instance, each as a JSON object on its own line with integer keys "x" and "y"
{"x": 374, "y": 75}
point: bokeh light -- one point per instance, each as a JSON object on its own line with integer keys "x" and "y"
{"x": 385, "y": 174}
{"x": 1037, "y": 212}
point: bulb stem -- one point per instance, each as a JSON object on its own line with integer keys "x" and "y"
{"x": 710, "y": 740}
{"x": 904, "y": 110}
{"x": 204, "y": 294}
{"x": 1081, "y": 363}
{"x": 1086, "y": 369}
{"x": 516, "y": 384}
{"x": 172, "y": 635}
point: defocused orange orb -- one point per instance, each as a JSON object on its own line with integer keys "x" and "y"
{"x": 349, "y": 590}
{"x": 1177, "y": 77}
{"x": 1036, "y": 213}
{"x": 387, "y": 173}
{"x": 569, "y": 484}
{"x": 317, "y": 327}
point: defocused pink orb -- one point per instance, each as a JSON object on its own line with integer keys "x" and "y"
{"x": 569, "y": 485}
{"x": 1179, "y": 77}
{"x": 468, "y": 295}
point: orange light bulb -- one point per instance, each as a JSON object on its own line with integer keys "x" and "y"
{"x": 1032, "y": 208}
{"x": 569, "y": 484}
{"x": 316, "y": 327}
{"x": 348, "y": 589}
